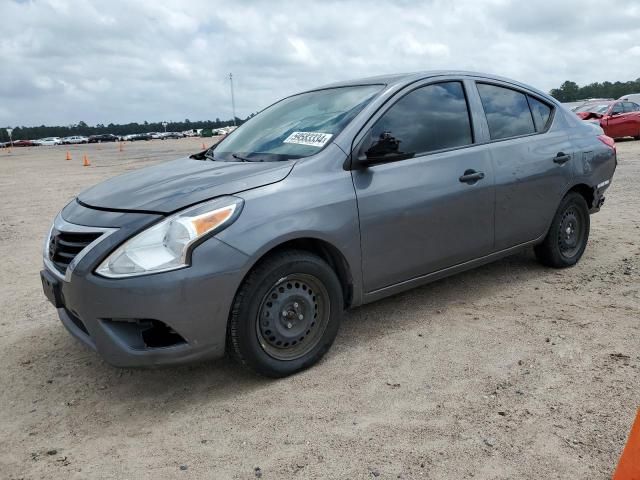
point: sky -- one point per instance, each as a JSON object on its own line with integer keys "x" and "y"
{"x": 120, "y": 61}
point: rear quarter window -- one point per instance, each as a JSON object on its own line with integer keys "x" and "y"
{"x": 541, "y": 113}
{"x": 507, "y": 111}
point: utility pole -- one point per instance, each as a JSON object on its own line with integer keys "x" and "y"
{"x": 233, "y": 100}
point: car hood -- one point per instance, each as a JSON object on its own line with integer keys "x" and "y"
{"x": 589, "y": 115}
{"x": 174, "y": 185}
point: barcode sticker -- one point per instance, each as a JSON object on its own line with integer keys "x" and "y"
{"x": 313, "y": 139}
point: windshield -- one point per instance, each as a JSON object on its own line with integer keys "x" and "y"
{"x": 297, "y": 126}
{"x": 594, "y": 108}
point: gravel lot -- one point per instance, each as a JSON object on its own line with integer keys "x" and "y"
{"x": 508, "y": 371}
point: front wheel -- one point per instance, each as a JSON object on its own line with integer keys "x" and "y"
{"x": 286, "y": 314}
{"x": 568, "y": 235}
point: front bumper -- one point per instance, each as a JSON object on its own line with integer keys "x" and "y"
{"x": 185, "y": 310}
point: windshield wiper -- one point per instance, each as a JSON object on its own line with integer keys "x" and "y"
{"x": 242, "y": 159}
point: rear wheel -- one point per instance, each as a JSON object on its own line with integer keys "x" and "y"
{"x": 286, "y": 314}
{"x": 568, "y": 235}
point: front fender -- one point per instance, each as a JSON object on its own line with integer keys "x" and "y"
{"x": 319, "y": 207}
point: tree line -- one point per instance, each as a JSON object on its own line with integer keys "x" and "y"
{"x": 571, "y": 92}
{"x": 81, "y": 128}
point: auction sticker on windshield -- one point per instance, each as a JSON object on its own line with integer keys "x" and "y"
{"x": 314, "y": 139}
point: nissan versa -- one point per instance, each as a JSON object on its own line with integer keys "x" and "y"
{"x": 324, "y": 201}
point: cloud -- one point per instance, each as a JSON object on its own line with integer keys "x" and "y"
{"x": 64, "y": 61}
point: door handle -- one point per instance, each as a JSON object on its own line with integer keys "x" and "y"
{"x": 471, "y": 176}
{"x": 561, "y": 158}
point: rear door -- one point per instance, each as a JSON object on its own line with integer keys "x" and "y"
{"x": 434, "y": 208}
{"x": 531, "y": 155}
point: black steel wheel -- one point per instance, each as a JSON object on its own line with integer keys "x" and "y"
{"x": 571, "y": 232}
{"x": 293, "y": 316}
{"x": 568, "y": 235}
{"x": 286, "y": 314}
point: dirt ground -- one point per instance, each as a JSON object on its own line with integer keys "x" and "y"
{"x": 508, "y": 371}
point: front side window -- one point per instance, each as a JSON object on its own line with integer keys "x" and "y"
{"x": 541, "y": 113}
{"x": 617, "y": 108}
{"x": 507, "y": 111}
{"x": 430, "y": 118}
{"x": 297, "y": 126}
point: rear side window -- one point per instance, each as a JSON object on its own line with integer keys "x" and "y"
{"x": 430, "y": 118}
{"x": 507, "y": 111}
{"x": 630, "y": 107}
{"x": 541, "y": 113}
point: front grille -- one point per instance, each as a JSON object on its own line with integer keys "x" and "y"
{"x": 64, "y": 246}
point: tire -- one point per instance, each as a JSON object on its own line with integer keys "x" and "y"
{"x": 286, "y": 314}
{"x": 568, "y": 235}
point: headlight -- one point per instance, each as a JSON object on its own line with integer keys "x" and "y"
{"x": 167, "y": 245}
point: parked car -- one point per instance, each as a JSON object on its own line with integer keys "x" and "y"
{"x": 139, "y": 136}
{"x": 326, "y": 200}
{"x": 173, "y": 135}
{"x": 102, "y": 137}
{"x": 576, "y": 106}
{"x": 632, "y": 97}
{"x": 25, "y": 143}
{"x": 617, "y": 118}
{"x": 49, "y": 141}
{"x": 74, "y": 139}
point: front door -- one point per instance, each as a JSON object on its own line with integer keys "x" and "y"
{"x": 433, "y": 206}
{"x": 617, "y": 122}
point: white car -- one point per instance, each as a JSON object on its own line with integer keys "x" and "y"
{"x": 74, "y": 139}
{"x": 632, "y": 97}
{"x": 156, "y": 135}
{"x": 49, "y": 141}
{"x": 223, "y": 130}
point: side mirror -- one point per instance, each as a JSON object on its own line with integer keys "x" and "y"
{"x": 385, "y": 149}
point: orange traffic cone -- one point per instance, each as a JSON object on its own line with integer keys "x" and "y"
{"x": 85, "y": 161}
{"x": 68, "y": 155}
{"x": 203, "y": 146}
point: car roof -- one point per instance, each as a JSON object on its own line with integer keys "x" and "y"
{"x": 634, "y": 95}
{"x": 401, "y": 79}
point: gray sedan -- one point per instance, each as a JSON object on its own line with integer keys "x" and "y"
{"x": 324, "y": 201}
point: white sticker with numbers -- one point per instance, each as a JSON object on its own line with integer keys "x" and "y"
{"x": 313, "y": 139}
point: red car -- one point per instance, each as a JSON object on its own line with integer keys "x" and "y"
{"x": 24, "y": 143}
{"x": 617, "y": 118}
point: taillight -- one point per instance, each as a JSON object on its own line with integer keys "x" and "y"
{"x": 608, "y": 141}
